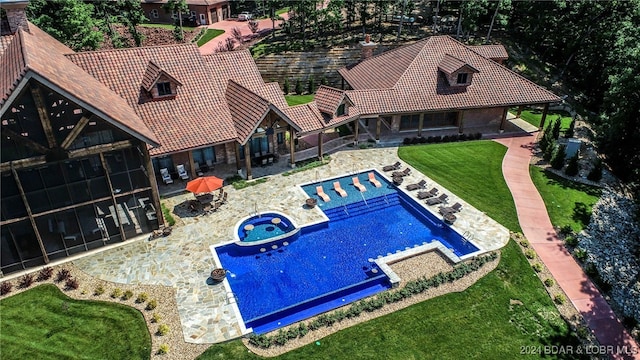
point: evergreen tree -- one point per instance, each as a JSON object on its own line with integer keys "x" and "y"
{"x": 299, "y": 88}
{"x": 557, "y": 161}
{"x": 285, "y": 87}
{"x": 311, "y": 87}
{"x": 548, "y": 152}
{"x": 555, "y": 133}
{"x": 178, "y": 7}
{"x": 569, "y": 133}
{"x": 572, "y": 166}
{"x": 596, "y": 173}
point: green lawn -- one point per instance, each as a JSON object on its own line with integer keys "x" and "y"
{"x": 533, "y": 116}
{"x": 567, "y": 202}
{"x": 294, "y": 100}
{"x": 208, "y": 35}
{"x": 167, "y": 26}
{"x": 282, "y": 11}
{"x": 44, "y": 323}
{"x": 472, "y": 170}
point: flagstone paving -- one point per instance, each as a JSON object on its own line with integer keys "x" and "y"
{"x": 184, "y": 259}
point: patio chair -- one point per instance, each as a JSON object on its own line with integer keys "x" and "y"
{"x": 417, "y": 186}
{"x": 356, "y": 183}
{"x": 402, "y": 173}
{"x": 373, "y": 180}
{"x": 182, "y": 172}
{"x": 209, "y": 164}
{"x": 270, "y": 160}
{"x": 339, "y": 189}
{"x": 322, "y": 194}
{"x": 199, "y": 171}
{"x": 450, "y": 209}
{"x": 220, "y": 193}
{"x": 427, "y": 194}
{"x": 395, "y": 166}
{"x": 439, "y": 200}
{"x": 166, "y": 177}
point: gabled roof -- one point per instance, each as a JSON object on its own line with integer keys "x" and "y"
{"x": 450, "y": 64}
{"x": 197, "y": 117}
{"x": 493, "y": 52}
{"x": 419, "y": 87}
{"x": 37, "y": 55}
{"x": 328, "y": 99}
{"x": 152, "y": 74}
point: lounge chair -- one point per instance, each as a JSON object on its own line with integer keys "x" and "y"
{"x": 223, "y": 200}
{"x": 182, "y": 172}
{"x": 395, "y": 166}
{"x": 356, "y": 183}
{"x": 417, "y": 186}
{"x": 166, "y": 177}
{"x": 199, "y": 171}
{"x": 405, "y": 172}
{"x": 427, "y": 194}
{"x": 339, "y": 189}
{"x": 450, "y": 209}
{"x": 322, "y": 194}
{"x": 439, "y": 200}
{"x": 373, "y": 180}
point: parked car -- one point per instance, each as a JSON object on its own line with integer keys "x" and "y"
{"x": 245, "y": 16}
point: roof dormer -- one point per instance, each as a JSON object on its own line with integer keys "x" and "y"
{"x": 332, "y": 102}
{"x": 158, "y": 83}
{"x": 457, "y": 72}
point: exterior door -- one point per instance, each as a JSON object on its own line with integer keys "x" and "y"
{"x": 214, "y": 15}
{"x": 203, "y": 19}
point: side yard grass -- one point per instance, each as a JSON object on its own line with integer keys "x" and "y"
{"x": 45, "y": 323}
{"x": 533, "y": 116}
{"x": 293, "y": 100}
{"x": 208, "y": 35}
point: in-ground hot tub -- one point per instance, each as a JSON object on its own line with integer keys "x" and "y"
{"x": 263, "y": 228}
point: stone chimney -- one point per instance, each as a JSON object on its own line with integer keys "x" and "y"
{"x": 16, "y": 14}
{"x": 367, "y": 47}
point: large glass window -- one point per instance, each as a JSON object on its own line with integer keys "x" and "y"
{"x": 26, "y": 242}
{"x": 10, "y": 257}
{"x": 204, "y": 156}
{"x": 409, "y": 122}
{"x": 441, "y": 119}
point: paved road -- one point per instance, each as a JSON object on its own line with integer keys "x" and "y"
{"x": 537, "y": 228}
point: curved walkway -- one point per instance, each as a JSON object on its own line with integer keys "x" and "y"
{"x": 537, "y": 228}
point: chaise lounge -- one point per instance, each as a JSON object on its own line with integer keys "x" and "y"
{"x": 339, "y": 189}
{"x": 373, "y": 180}
{"x": 439, "y": 200}
{"x": 356, "y": 183}
{"x": 420, "y": 185}
{"x": 395, "y": 166}
{"x": 427, "y": 194}
{"x": 182, "y": 172}
{"x": 166, "y": 177}
{"x": 322, "y": 194}
{"x": 405, "y": 172}
{"x": 450, "y": 209}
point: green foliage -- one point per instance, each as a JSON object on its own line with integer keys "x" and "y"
{"x": 99, "y": 290}
{"x": 537, "y": 267}
{"x": 555, "y": 130}
{"x": 557, "y": 160}
{"x": 167, "y": 215}
{"x": 239, "y": 183}
{"x": 128, "y": 294}
{"x": 580, "y": 254}
{"x": 308, "y": 164}
{"x": 571, "y": 241}
{"x": 130, "y": 13}
{"x": 163, "y": 329}
{"x": 179, "y": 7}
{"x": 155, "y": 318}
{"x": 549, "y": 282}
{"x": 596, "y": 173}
{"x": 152, "y": 304}
{"x": 524, "y": 243}
{"x": 208, "y": 35}
{"x": 570, "y": 131}
{"x": 79, "y": 30}
{"x": 560, "y": 299}
{"x": 163, "y": 349}
{"x": 530, "y": 254}
{"x": 311, "y": 85}
{"x": 548, "y": 152}
{"x": 299, "y": 89}
{"x": 572, "y": 166}
{"x": 142, "y": 297}
{"x": 285, "y": 87}
{"x": 116, "y": 293}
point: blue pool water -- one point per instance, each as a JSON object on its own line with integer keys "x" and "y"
{"x": 328, "y": 265}
{"x": 264, "y": 227}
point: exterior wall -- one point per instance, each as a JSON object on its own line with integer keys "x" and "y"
{"x": 453, "y": 78}
{"x": 227, "y": 153}
{"x": 395, "y": 123}
{"x": 181, "y": 158}
{"x": 212, "y": 13}
{"x": 482, "y": 117}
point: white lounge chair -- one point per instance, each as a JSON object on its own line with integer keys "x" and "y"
{"x": 182, "y": 172}
{"x": 166, "y": 177}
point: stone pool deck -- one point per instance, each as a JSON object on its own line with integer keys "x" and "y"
{"x": 184, "y": 260}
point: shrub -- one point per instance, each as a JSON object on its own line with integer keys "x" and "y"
{"x": 71, "y": 284}
{"x": 560, "y": 299}
{"x": 544, "y": 142}
{"x": 557, "y": 160}
{"x": 286, "y": 86}
{"x": 571, "y": 241}
{"x": 155, "y": 318}
{"x": 163, "y": 329}
{"x": 548, "y": 152}
{"x": 116, "y": 293}
{"x": 142, "y": 297}
{"x": 25, "y": 281}
{"x": 45, "y": 273}
{"x": 163, "y": 349}
{"x": 580, "y": 254}
{"x": 524, "y": 243}
{"x": 530, "y": 254}
{"x": 406, "y": 141}
{"x": 596, "y": 173}
{"x": 569, "y": 133}
{"x": 152, "y": 304}
{"x": 167, "y": 215}
{"x": 5, "y": 287}
{"x": 537, "y": 267}
{"x": 127, "y": 295}
{"x": 572, "y": 167}
{"x": 62, "y": 275}
{"x": 549, "y": 282}
{"x": 566, "y": 230}
{"x": 311, "y": 86}
{"x": 555, "y": 132}
{"x": 299, "y": 89}
{"x": 99, "y": 290}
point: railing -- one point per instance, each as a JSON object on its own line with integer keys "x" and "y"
{"x": 385, "y": 199}
{"x": 345, "y": 210}
{"x": 363, "y": 199}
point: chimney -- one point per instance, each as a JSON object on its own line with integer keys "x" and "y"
{"x": 16, "y": 14}
{"x": 367, "y": 47}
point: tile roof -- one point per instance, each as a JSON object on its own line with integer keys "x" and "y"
{"x": 197, "y": 117}
{"x": 450, "y": 64}
{"x": 497, "y": 52}
{"x": 420, "y": 87}
{"x": 247, "y": 109}
{"x": 307, "y": 116}
{"x": 37, "y": 54}
{"x": 152, "y": 74}
{"x": 328, "y": 99}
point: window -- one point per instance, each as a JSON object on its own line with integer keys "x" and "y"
{"x": 164, "y": 88}
{"x": 340, "y": 110}
{"x": 462, "y": 78}
{"x": 154, "y": 13}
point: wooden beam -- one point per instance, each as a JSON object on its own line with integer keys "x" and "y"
{"x": 545, "y": 110}
{"x": 503, "y": 120}
{"x": 292, "y": 148}
{"x": 192, "y": 165}
{"x": 236, "y": 149}
{"x": 155, "y": 194}
{"x": 97, "y": 149}
{"x": 43, "y": 113}
{"x": 420, "y": 123}
{"x": 520, "y": 108}
{"x": 25, "y": 141}
{"x": 460, "y": 121}
{"x": 71, "y": 137}
{"x": 247, "y": 160}
{"x": 320, "y": 140}
{"x": 30, "y": 214}
{"x": 378, "y": 127}
{"x": 23, "y": 163}
{"x": 357, "y": 127}
{"x": 105, "y": 168}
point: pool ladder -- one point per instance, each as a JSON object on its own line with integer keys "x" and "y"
{"x": 385, "y": 199}
{"x": 365, "y": 200}
{"x": 345, "y": 210}
{"x": 467, "y": 235}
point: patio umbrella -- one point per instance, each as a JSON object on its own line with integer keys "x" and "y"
{"x": 205, "y": 184}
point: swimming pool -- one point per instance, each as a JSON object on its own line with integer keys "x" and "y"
{"x": 261, "y": 227}
{"x": 330, "y": 264}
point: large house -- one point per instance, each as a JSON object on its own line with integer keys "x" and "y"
{"x": 85, "y": 135}
{"x": 200, "y": 12}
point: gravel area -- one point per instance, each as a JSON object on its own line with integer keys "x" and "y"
{"x": 166, "y": 308}
{"x": 427, "y": 264}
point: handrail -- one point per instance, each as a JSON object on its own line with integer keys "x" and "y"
{"x": 345, "y": 210}
{"x": 365, "y": 200}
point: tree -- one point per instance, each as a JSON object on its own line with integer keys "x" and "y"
{"x": 311, "y": 86}
{"x": 285, "y": 87}
{"x": 299, "y": 88}
{"x": 569, "y": 133}
{"x": 503, "y": 18}
{"x": 548, "y": 151}
{"x": 106, "y": 13}
{"x": 572, "y": 166}
{"x": 557, "y": 161}
{"x": 253, "y": 26}
{"x": 555, "y": 132}
{"x": 78, "y": 30}
{"x": 177, "y": 7}
{"x": 237, "y": 35}
{"x": 131, "y": 15}
{"x": 596, "y": 173}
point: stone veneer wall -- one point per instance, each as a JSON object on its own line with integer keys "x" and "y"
{"x": 482, "y": 117}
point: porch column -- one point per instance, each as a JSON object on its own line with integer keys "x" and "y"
{"x": 320, "y": 150}
{"x": 544, "y": 116}
{"x": 154, "y": 186}
{"x": 460, "y": 122}
{"x": 520, "y": 108}
{"x": 292, "y": 148}
{"x": 420, "y": 122}
{"x": 192, "y": 165}
{"x": 247, "y": 160}
{"x": 105, "y": 168}
{"x": 45, "y": 257}
{"x": 504, "y": 119}
{"x": 378, "y": 124}
{"x": 357, "y": 127}
{"x": 236, "y": 151}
